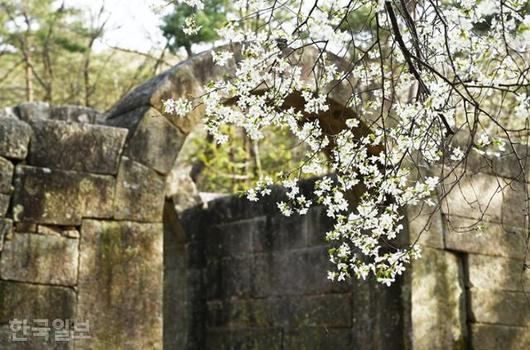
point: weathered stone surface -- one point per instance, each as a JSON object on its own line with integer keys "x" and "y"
{"x": 508, "y": 164}
{"x": 75, "y": 146}
{"x": 8, "y": 112}
{"x": 484, "y": 238}
{"x": 490, "y": 272}
{"x": 139, "y": 192}
{"x": 438, "y": 301}
{"x": 32, "y": 111}
{"x": 478, "y": 196}
{"x": 485, "y": 336}
{"x": 59, "y": 231}
{"x": 514, "y": 204}
{"x": 30, "y": 301}
{"x": 49, "y": 230}
{"x": 6, "y": 175}
{"x": 25, "y": 227}
{"x": 332, "y": 310}
{"x": 6, "y": 227}
{"x": 14, "y": 138}
{"x": 154, "y": 141}
{"x": 315, "y": 338}
{"x": 238, "y": 238}
{"x": 182, "y": 80}
{"x": 502, "y": 307}
{"x": 77, "y": 114}
{"x": 425, "y": 225}
{"x": 45, "y": 259}
{"x": 283, "y": 233}
{"x": 318, "y": 223}
{"x": 255, "y": 339}
{"x": 120, "y": 284}
{"x": 181, "y": 189}
{"x": 286, "y": 273}
{"x": 4, "y": 204}
{"x": 31, "y": 342}
{"x": 485, "y": 197}
{"x": 60, "y": 197}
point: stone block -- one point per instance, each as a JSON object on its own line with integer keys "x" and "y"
{"x": 44, "y": 259}
{"x": 255, "y": 339}
{"x": 31, "y": 301}
{"x": 30, "y": 341}
{"x": 425, "y": 226}
{"x": 438, "y": 301}
{"x": 502, "y": 307}
{"x": 509, "y": 164}
{"x": 60, "y": 197}
{"x": 139, "y": 192}
{"x": 284, "y": 232}
{"x": 184, "y": 80}
{"x": 181, "y": 188}
{"x": 154, "y": 142}
{"x": 78, "y": 114}
{"x": 379, "y": 315}
{"x": 484, "y": 336}
{"x": 33, "y": 111}
{"x": 484, "y": 238}
{"x": 287, "y": 273}
{"x": 485, "y": 197}
{"x": 75, "y": 146}
{"x": 332, "y": 310}
{"x": 120, "y": 284}
{"x": 318, "y": 223}
{"x": 8, "y": 112}
{"x": 316, "y": 338}
{"x": 477, "y": 196}
{"x": 236, "y": 238}
{"x": 329, "y": 311}
{"x": 49, "y": 230}
{"x": 6, "y": 227}
{"x": 4, "y": 204}
{"x": 491, "y": 272}
{"x": 14, "y": 138}
{"x": 25, "y": 227}
{"x": 514, "y": 204}
{"x": 235, "y": 277}
{"x": 6, "y": 175}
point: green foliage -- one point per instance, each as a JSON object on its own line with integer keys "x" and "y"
{"x": 46, "y": 54}
{"x": 211, "y": 18}
{"x": 235, "y": 166}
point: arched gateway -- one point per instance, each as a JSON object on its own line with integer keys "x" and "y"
{"x": 86, "y": 234}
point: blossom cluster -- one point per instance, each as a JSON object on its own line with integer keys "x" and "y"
{"x": 417, "y": 75}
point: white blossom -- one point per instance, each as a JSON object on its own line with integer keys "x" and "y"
{"x": 190, "y": 26}
{"x": 400, "y": 109}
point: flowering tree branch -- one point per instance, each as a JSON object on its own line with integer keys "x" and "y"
{"x": 385, "y": 89}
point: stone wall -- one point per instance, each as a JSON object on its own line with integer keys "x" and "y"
{"x": 72, "y": 248}
{"x": 258, "y": 280}
{"x": 470, "y": 289}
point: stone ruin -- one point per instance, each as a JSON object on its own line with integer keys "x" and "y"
{"x": 88, "y": 232}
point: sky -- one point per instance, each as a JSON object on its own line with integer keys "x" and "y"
{"x": 132, "y": 24}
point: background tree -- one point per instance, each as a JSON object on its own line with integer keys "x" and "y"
{"x": 208, "y": 20}
{"x": 47, "y": 52}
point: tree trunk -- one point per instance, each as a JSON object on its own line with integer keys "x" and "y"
{"x": 188, "y": 50}
{"x": 29, "y": 80}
